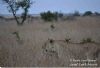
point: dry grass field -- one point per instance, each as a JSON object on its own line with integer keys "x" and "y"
{"x": 35, "y": 47}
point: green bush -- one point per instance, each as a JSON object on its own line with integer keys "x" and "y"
{"x": 97, "y": 14}
{"x": 48, "y": 16}
{"x": 87, "y": 13}
{"x": 87, "y": 40}
{"x": 51, "y": 16}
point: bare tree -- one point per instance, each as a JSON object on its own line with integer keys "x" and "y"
{"x": 15, "y": 5}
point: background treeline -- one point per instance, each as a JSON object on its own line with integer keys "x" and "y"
{"x": 54, "y": 16}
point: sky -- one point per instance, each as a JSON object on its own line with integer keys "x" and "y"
{"x": 64, "y": 6}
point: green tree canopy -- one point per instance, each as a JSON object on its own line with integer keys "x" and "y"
{"x": 87, "y": 13}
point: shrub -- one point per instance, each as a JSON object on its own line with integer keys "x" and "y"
{"x": 87, "y": 40}
{"x": 97, "y": 14}
{"x": 87, "y": 13}
{"x": 48, "y": 16}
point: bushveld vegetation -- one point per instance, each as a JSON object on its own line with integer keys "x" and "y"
{"x": 87, "y": 40}
{"x": 88, "y": 13}
{"x": 48, "y": 16}
{"x": 51, "y": 16}
{"x": 55, "y": 16}
{"x": 37, "y": 50}
{"x": 58, "y": 50}
{"x": 97, "y": 13}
